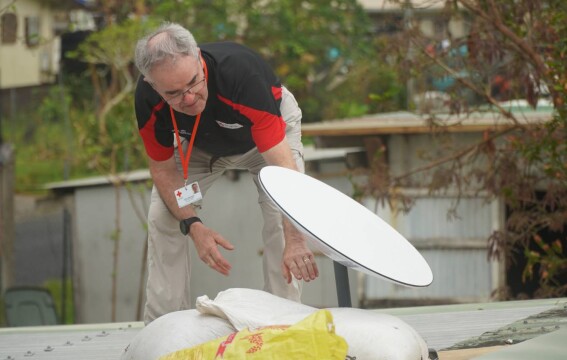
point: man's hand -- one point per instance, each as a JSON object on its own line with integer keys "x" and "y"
{"x": 206, "y": 242}
{"x": 298, "y": 260}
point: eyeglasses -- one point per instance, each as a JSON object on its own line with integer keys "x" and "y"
{"x": 193, "y": 89}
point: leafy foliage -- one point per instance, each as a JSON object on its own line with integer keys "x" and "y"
{"x": 319, "y": 55}
{"x": 552, "y": 264}
{"x": 109, "y": 136}
{"x": 333, "y": 64}
{"x": 311, "y": 48}
{"x": 513, "y": 50}
{"x": 329, "y": 62}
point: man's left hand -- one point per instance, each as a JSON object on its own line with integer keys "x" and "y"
{"x": 299, "y": 261}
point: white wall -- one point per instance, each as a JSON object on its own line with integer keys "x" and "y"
{"x": 455, "y": 247}
{"x": 455, "y": 250}
{"x": 230, "y": 207}
{"x": 93, "y": 246}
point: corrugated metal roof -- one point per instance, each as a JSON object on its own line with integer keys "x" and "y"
{"x": 461, "y": 326}
{"x": 441, "y": 326}
{"x": 310, "y": 154}
{"x": 551, "y": 346}
{"x": 411, "y": 123}
{"x": 136, "y": 175}
{"x": 443, "y": 331}
{"x": 67, "y": 342}
{"x": 519, "y": 331}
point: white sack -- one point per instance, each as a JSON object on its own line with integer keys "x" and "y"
{"x": 175, "y": 331}
{"x": 376, "y": 336}
{"x": 370, "y": 335}
{"x": 248, "y": 308}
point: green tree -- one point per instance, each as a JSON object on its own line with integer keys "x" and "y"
{"x": 108, "y": 138}
{"x": 322, "y": 51}
{"x": 317, "y": 47}
{"x": 110, "y": 53}
{"x": 524, "y": 43}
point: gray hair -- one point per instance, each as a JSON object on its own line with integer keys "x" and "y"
{"x": 169, "y": 41}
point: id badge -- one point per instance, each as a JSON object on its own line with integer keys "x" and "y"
{"x": 188, "y": 194}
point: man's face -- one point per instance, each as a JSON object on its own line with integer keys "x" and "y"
{"x": 182, "y": 84}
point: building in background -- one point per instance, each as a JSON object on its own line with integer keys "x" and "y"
{"x": 456, "y": 247}
{"x": 102, "y": 213}
{"x": 30, "y": 64}
{"x": 31, "y": 48}
{"x": 29, "y": 53}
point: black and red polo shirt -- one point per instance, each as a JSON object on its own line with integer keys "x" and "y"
{"x": 242, "y": 110}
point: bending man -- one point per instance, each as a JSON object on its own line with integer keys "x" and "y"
{"x": 227, "y": 109}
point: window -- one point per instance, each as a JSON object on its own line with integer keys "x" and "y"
{"x": 9, "y": 28}
{"x": 32, "y": 31}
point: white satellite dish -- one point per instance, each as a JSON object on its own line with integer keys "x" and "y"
{"x": 343, "y": 229}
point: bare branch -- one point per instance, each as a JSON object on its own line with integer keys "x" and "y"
{"x": 471, "y": 86}
{"x": 457, "y": 155}
{"x": 521, "y": 44}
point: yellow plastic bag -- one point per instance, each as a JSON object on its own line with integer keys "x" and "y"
{"x": 313, "y": 338}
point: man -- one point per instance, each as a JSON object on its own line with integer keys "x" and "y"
{"x": 227, "y": 109}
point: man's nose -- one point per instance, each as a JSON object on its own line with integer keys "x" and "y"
{"x": 188, "y": 96}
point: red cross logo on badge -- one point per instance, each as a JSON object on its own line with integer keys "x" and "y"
{"x": 179, "y": 194}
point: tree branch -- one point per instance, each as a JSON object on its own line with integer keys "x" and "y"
{"x": 469, "y": 84}
{"x": 457, "y": 155}
{"x": 496, "y": 20}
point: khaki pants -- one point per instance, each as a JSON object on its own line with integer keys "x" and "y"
{"x": 169, "y": 261}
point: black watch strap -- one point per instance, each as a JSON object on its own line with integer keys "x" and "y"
{"x": 185, "y": 225}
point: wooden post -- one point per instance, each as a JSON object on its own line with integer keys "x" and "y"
{"x": 6, "y": 216}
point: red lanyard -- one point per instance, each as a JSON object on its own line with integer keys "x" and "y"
{"x": 185, "y": 160}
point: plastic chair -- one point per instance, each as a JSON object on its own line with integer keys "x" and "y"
{"x": 29, "y": 306}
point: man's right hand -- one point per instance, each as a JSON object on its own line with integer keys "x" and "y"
{"x": 206, "y": 242}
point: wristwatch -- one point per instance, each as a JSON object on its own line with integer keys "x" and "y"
{"x": 185, "y": 225}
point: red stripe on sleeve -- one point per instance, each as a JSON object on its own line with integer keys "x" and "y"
{"x": 154, "y": 149}
{"x": 268, "y": 130}
{"x": 277, "y": 92}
